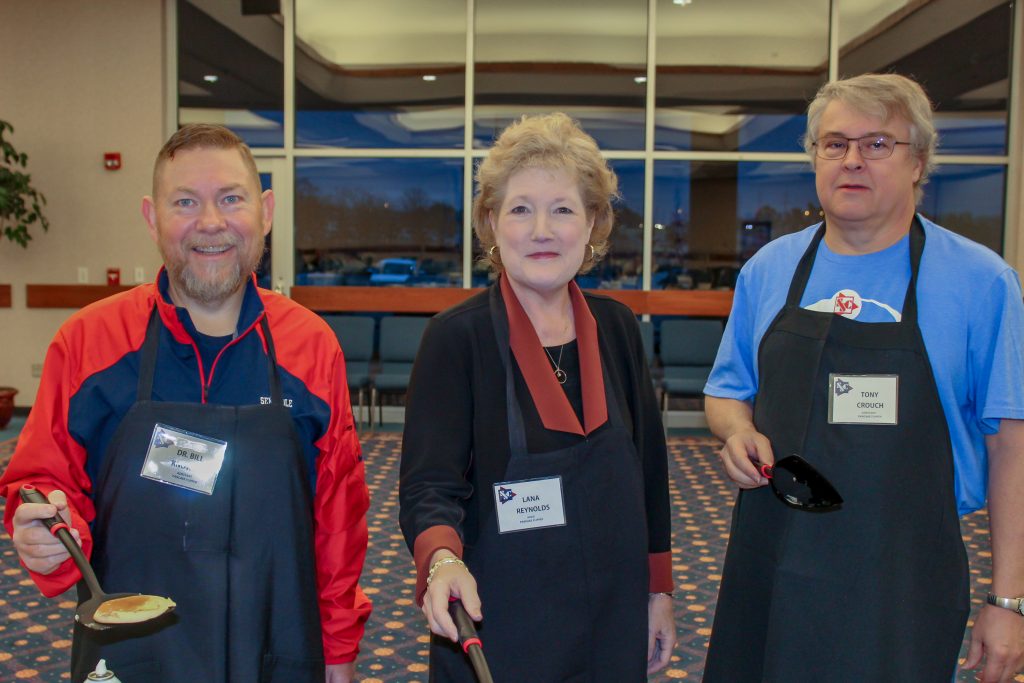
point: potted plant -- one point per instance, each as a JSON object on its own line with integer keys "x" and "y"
{"x": 21, "y": 205}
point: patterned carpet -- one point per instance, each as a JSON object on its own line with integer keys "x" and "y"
{"x": 35, "y": 632}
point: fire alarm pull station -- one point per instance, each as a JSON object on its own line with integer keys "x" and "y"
{"x": 112, "y": 161}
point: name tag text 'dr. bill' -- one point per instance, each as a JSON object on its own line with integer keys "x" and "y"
{"x": 181, "y": 458}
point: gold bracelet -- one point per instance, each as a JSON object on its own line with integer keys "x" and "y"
{"x": 447, "y": 559}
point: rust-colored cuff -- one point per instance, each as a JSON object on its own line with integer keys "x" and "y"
{"x": 659, "y": 567}
{"x": 427, "y": 543}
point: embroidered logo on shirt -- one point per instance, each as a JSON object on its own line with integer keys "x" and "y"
{"x": 849, "y": 304}
{"x": 505, "y": 495}
{"x": 842, "y": 387}
{"x": 845, "y": 304}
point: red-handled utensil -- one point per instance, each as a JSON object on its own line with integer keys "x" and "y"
{"x": 129, "y": 608}
{"x": 469, "y": 640}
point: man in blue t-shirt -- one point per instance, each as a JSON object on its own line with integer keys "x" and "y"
{"x": 888, "y": 353}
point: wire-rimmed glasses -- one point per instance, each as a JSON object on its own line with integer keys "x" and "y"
{"x": 872, "y": 147}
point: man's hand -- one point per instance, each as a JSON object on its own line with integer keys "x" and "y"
{"x": 38, "y": 549}
{"x": 450, "y": 580}
{"x": 661, "y": 631}
{"x": 745, "y": 447}
{"x": 998, "y": 638}
{"x": 341, "y": 673}
{"x": 741, "y": 456}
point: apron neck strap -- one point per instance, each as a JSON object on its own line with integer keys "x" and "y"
{"x": 273, "y": 377}
{"x": 499, "y": 319}
{"x": 803, "y": 270}
{"x": 147, "y": 363}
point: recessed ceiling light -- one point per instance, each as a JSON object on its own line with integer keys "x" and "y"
{"x": 640, "y": 79}
{"x": 211, "y": 78}
{"x": 682, "y": 3}
{"x": 430, "y": 77}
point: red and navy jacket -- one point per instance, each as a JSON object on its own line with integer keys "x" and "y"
{"x": 90, "y": 380}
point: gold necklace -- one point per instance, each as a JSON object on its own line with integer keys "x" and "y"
{"x": 559, "y": 372}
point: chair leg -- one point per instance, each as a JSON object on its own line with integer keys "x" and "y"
{"x": 362, "y": 395}
{"x": 373, "y": 401}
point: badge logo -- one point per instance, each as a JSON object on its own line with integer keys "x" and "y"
{"x": 847, "y": 304}
{"x": 842, "y": 387}
{"x": 505, "y": 495}
{"x": 161, "y": 439}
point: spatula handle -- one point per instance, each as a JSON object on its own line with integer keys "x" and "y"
{"x": 59, "y": 528}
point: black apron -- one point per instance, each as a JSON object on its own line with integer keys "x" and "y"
{"x": 562, "y": 604}
{"x": 878, "y": 589}
{"x": 239, "y": 563}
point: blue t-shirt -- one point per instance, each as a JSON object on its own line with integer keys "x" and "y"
{"x": 971, "y": 316}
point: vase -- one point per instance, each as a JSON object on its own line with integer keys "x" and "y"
{"x": 6, "y": 405}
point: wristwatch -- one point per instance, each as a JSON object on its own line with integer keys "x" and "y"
{"x": 1015, "y": 604}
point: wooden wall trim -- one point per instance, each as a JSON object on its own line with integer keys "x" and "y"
{"x": 716, "y": 304}
{"x": 5, "y": 296}
{"x": 703, "y": 303}
{"x": 370, "y": 299}
{"x": 68, "y": 296}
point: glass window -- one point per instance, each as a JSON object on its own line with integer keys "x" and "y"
{"x": 263, "y": 269}
{"x": 622, "y": 266}
{"x": 373, "y": 75}
{"x": 376, "y": 222}
{"x": 230, "y": 70}
{"x": 959, "y": 52}
{"x": 730, "y": 84}
{"x": 711, "y": 216}
{"x": 968, "y": 199}
{"x": 586, "y": 58}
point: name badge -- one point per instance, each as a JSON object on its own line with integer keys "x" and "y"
{"x": 863, "y": 399}
{"x": 529, "y": 504}
{"x": 184, "y": 459}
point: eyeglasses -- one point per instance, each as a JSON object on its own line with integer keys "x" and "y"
{"x": 871, "y": 147}
{"x": 800, "y": 486}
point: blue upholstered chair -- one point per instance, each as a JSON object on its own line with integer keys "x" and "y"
{"x": 355, "y": 334}
{"x": 688, "y": 349}
{"x": 399, "y": 341}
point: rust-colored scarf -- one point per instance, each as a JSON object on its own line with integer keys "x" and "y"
{"x": 547, "y": 394}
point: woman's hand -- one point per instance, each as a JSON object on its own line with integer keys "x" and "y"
{"x": 451, "y": 580}
{"x": 661, "y": 631}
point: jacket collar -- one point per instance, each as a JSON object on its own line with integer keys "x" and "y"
{"x": 552, "y": 404}
{"x": 179, "y": 323}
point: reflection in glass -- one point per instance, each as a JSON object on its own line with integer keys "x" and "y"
{"x": 263, "y": 269}
{"x": 370, "y": 76}
{"x": 587, "y": 58}
{"x": 959, "y": 52}
{"x": 622, "y": 266}
{"x": 372, "y": 222}
{"x": 968, "y": 199}
{"x": 725, "y": 84}
{"x": 710, "y": 217}
{"x": 230, "y": 70}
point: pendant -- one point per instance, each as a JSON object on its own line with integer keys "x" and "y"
{"x": 560, "y": 375}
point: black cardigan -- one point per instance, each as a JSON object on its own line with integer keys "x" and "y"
{"x": 456, "y": 444}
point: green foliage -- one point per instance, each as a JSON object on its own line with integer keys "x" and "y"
{"x": 20, "y": 203}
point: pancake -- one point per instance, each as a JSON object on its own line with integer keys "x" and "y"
{"x": 132, "y": 609}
